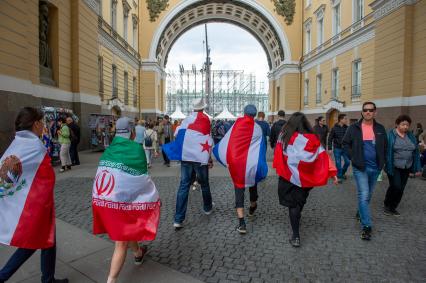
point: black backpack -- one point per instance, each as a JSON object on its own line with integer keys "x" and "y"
{"x": 148, "y": 140}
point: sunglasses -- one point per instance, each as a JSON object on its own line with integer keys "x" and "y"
{"x": 368, "y": 110}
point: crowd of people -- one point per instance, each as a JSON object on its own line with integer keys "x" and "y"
{"x": 126, "y": 204}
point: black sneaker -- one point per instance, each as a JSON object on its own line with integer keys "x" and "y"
{"x": 366, "y": 233}
{"x": 139, "y": 259}
{"x": 252, "y": 209}
{"x": 387, "y": 211}
{"x": 242, "y": 229}
{"x": 295, "y": 242}
{"x": 65, "y": 280}
{"x": 396, "y": 213}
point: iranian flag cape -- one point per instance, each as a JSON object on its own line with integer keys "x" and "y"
{"x": 27, "y": 179}
{"x": 125, "y": 202}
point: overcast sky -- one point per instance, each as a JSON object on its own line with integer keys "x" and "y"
{"x": 232, "y": 48}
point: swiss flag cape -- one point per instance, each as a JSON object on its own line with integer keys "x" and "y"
{"x": 193, "y": 141}
{"x": 125, "y": 201}
{"x": 27, "y": 179}
{"x": 304, "y": 163}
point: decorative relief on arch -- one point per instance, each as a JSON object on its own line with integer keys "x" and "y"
{"x": 285, "y": 8}
{"x": 155, "y": 7}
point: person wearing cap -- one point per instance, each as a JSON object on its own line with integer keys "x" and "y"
{"x": 243, "y": 151}
{"x": 192, "y": 146}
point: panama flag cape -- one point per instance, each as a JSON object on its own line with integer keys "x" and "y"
{"x": 304, "y": 163}
{"x": 27, "y": 179}
{"x": 193, "y": 141}
{"x": 243, "y": 151}
{"x": 125, "y": 201}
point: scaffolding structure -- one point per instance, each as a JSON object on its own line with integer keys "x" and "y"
{"x": 231, "y": 88}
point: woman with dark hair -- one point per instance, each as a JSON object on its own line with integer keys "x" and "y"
{"x": 301, "y": 163}
{"x": 403, "y": 158}
{"x": 65, "y": 142}
{"x": 27, "y": 213}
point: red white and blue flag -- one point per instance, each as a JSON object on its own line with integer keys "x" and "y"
{"x": 193, "y": 141}
{"x": 243, "y": 151}
{"x": 27, "y": 180}
{"x": 304, "y": 163}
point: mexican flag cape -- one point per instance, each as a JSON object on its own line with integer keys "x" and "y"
{"x": 125, "y": 202}
{"x": 27, "y": 179}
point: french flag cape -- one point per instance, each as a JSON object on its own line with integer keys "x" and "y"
{"x": 243, "y": 151}
{"x": 27, "y": 179}
{"x": 193, "y": 141}
{"x": 304, "y": 163}
{"x": 125, "y": 201}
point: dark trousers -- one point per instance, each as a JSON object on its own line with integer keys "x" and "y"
{"x": 239, "y": 196}
{"x": 397, "y": 183}
{"x": 166, "y": 159}
{"x": 75, "y": 160}
{"x": 48, "y": 260}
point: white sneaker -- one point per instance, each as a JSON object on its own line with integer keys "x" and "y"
{"x": 178, "y": 225}
{"x": 210, "y": 211}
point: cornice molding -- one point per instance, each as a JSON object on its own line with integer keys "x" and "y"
{"x": 383, "y": 8}
{"x": 94, "y": 5}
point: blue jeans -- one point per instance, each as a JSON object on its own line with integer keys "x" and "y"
{"x": 365, "y": 182}
{"x": 48, "y": 260}
{"x": 186, "y": 169}
{"x": 339, "y": 153}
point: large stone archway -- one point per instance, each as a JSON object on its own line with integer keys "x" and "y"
{"x": 256, "y": 17}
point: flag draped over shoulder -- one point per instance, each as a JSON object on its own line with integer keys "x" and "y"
{"x": 304, "y": 163}
{"x": 193, "y": 141}
{"x": 27, "y": 180}
{"x": 125, "y": 201}
{"x": 243, "y": 151}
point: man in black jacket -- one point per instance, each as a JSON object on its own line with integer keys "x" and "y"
{"x": 365, "y": 143}
{"x": 75, "y": 140}
{"x": 321, "y": 130}
{"x": 335, "y": 139}
{"x": 276, "y": 128}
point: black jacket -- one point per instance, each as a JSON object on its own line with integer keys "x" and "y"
{"x": 275, "y": 132}
{"x": 321, "y": 133}
{"x": 353, "y": 145}
{"x": 75, "y": 135}
{"x": 336, "y": 136}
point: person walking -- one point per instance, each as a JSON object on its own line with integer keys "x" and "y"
{"x": 27, "y": 213}
{"x": 150, "y": 144}
{"x": 365, "y": 144}
{"x": 276, "y": 128}
{"x": 192, "y": 147}
{"x": 418, "y": 131}
{"x": 243, "y": 151}
{"x": 75, "y": 140}
{"x": 403, "y": 158}
{"x": 140, "y": 132}
{"x": 65, "y": 142}
{"x": 335, "y": 146}
{"x": 301, "y": 163}
{"x": 266, "y": 131}
{"x": 125, "y": 201}
{"x": 321, "y": 130}
{"x": 166, "y": 135}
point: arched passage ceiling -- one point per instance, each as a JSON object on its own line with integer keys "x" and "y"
{"x": 236, "y": 12}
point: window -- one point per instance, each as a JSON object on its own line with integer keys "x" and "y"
{"x": 308, "y": 36}
{"x": 126, "y": 88}
{"x": 101, "y": 76}
{"x": 135, "y": 92}
{"x": 336, "y": 19}
{"x": 306, "y": 93}
{"x": 335, "y": 83}
{"x": 356, "y": 79}
{"x": 135, "y": 36}
{"x": 114, "y": 82}
{"x": 320, "y": 24}
{"x": 358, "y": 10}
{"x": 114, "y": 14}
{"x": 319, "y": 88}
{"x": 125, "y": 20}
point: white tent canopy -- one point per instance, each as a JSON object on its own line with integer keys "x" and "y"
{"x": 225, "y": 114}
{"x": 177, "y": 114}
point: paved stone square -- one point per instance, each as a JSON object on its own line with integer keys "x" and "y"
{"x": 209, "y": 248}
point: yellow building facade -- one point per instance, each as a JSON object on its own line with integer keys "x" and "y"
{"x": 109, "y": 56}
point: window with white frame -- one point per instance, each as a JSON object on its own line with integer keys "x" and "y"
{"x": 335, "y": 83}
{"x": 125, "y": 20}
{"x": 358, "y": 10}
{"x": 336, "y": 19}
{"x": 356, "y": 78}
{"x": 306, "y": 93}
{"x": 319, "y": 88}
{"x": 135, "y": 31}
{"x": 320, "y": 25}
{"x": 114, "y": 14}
{"x": 308, "y": 37}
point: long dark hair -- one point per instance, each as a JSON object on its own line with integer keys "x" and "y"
{"x": 297, "y": 123}
{"x": 26, "y": 118}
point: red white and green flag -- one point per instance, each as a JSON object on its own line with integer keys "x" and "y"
{"x": 125, "y": 201}
{"x": 27, "y": 180}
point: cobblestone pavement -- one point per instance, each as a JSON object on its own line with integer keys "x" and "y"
{"x": 210, "y": 249}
